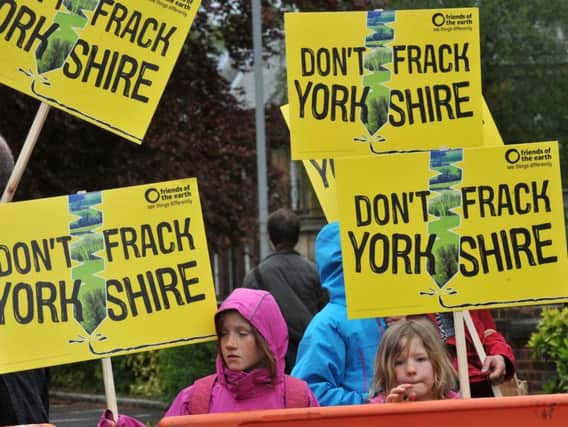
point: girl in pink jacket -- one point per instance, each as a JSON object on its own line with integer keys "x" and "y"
{"x": 252, "y": 340}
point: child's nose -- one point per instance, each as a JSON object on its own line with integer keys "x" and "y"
{"x": 231, "y": 341}
{"x": 411, "y": 367}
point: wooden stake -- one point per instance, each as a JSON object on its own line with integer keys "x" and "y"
{"x": 479, "y": 347}
{"x": 110, "y": 393}
{"x": 463, "y": 372}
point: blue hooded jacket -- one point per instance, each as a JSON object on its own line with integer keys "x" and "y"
{"x": 336, "y": 355}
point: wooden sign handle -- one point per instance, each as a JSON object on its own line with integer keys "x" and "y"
{"x": 463, "y": 372}
{"x": 479, "y": 347}
{"x": 110, "y": 392}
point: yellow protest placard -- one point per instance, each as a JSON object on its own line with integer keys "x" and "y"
{"x": 454, "y": 229}
{"x": 361, "y": 82}
{"x": 103, "y": 61}
{"x": 102, "y": 274}
{"x": 322, "y": 177}
{"x": 321, "y": 172}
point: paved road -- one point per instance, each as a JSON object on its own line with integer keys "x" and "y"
{"x": 71, "y": 413}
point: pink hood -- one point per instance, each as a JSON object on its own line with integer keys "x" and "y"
{"x": 262, "y": 311}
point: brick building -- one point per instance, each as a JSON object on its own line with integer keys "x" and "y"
{"x": 517, "y": 324}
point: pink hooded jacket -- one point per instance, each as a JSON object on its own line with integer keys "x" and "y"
{"x": 235, "y": 391}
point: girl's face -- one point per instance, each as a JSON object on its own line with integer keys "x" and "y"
{"x": 413, "y": 366}
{"x": 238, "y": 343}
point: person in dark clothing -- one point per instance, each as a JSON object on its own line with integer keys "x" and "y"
{"x": 290, "y": 277}
{"x": 24, "y": 397}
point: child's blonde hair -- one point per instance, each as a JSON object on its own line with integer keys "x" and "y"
{"x": 391, "y": 347}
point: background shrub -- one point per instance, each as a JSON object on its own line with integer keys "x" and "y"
{"x": 181, "y": 366}
{"x": 158, "y": 374}
{"x": 550, "y": 342}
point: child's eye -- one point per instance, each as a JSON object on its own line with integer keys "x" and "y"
{"x": 422, "y": 359}
{"x": 244, "y": 333}
{"x": 398, "y": 362}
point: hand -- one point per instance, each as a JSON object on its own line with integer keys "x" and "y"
{"x": 494, "y": 367}
{"x": 401, "y": 394}
{"x": 107, "y": 419}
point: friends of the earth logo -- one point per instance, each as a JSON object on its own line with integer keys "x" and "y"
{"x": 452, "y": 21}
{"x": 178, "y": 6}
{"x": 528, "y": 158}
{"x": 166, "y": 196}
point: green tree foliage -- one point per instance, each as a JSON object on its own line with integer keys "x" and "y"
{"x": 94, "y": 309}
{"x": 76, "y": 5}
{"x": 441, "y": 205}
{"x": 550, "y": 342}
{"x": 181, "y": 366}
{"x": 377, "y": 115}
{"x": 159, "y": 374}
{"x": 84, "y": 376}
{"x": 237, "y": 16}
{"x": 376, "y": 61}
{"x": 134, "y": 375}
{"x": 447, "y": 175}
{"x": 147, "y": 380}
{"x": 53, "y": 56}
{"x": 446, "y": 263}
